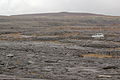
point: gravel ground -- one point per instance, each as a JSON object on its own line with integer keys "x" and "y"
{"x": 44, "y": 60}
{"x": 59, "y": 47}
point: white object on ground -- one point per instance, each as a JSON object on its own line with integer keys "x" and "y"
{"x": 98, "y": 35}
{"x": 10, "y": 55}
{"x": 104, "y": 76}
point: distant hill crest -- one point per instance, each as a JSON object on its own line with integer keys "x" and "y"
{"x": 61, "y": 14}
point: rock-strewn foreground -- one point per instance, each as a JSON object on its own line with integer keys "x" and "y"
{"x": 59, "y": 46}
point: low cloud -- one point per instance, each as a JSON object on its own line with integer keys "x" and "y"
{"x": 11, "y": 7}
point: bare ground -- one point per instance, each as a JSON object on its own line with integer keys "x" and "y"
{"x": 59, "y": 48}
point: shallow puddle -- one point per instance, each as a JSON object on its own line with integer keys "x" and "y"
{"x": 97, "y": 55}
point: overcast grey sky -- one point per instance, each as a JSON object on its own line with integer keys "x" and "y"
{"x": 11, "y": 7}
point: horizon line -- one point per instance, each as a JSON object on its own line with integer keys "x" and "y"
{"x": 36, "y": 13}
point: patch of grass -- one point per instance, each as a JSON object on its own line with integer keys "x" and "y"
{"x": 97, "y": 55}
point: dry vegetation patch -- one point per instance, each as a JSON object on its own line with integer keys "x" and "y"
{"x": 97, "y": 55}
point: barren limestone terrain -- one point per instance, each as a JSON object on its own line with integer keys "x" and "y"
{"x": 59, "y": 46}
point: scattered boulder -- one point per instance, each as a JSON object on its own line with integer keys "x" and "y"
{"x": 51, "y": 61}
{"x": 104, "y": 76}
{"x": 110, "y": 67}
{"x": 31, "y": 62}
{"x": 10, "y": 55}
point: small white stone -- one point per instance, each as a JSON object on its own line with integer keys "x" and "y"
{"x": 10, "y": 55}
{"x": 31, "y": 62}
{"x": 104, "y": 76}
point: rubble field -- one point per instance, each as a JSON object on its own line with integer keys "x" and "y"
{"x": 59, "y": 46}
